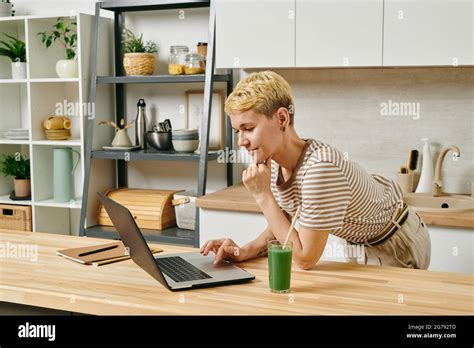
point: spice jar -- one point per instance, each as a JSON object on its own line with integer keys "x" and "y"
{"x": 177, "y": 59}
{"x": 202, "y": 49}
{"x": 194, "y": 64}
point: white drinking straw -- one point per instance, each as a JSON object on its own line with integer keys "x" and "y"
{"x": 293, "y": 221}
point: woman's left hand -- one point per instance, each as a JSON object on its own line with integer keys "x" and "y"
{"x": 256, "y": 178}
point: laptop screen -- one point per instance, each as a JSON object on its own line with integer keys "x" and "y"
{"x": 132, "y": 237}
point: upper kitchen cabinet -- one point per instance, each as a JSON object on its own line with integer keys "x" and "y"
{"x": 339, "y": 33}
{"x": 255, "y": 34}
{"x": 428, "y": 32}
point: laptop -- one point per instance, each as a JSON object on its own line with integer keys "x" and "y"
{"x": 174, "y": 271}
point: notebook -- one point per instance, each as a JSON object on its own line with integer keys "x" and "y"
{"x": 99, "y": 255}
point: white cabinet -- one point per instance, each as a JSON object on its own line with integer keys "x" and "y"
{"x": 339, "y": 33}
{"x": 428, "y": 32}
{"x": 255, "y": 34}
{"x": 452, "y": 249}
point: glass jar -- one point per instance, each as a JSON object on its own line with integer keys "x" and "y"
{"x": 177, "y": 59}
{"x": 202, "y": 49}
{"x": 194, "y": 64}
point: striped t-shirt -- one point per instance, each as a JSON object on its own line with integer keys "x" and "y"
{"x": 336, "y": 194}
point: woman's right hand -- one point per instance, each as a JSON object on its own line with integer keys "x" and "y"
{"x": 225, "y": 249}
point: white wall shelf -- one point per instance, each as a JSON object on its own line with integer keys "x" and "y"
{"x": 76, "y": 204}
{"x": 26, "y": 103}
{"x": 14, "y": 142}
{"x": 71, "y": 142}
{"x": 5, "y": 199}
{"x": 54, "y": 79}
{"x": 13, "y": 80}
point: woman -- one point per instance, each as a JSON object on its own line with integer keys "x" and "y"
{"x": 336, "y": 195}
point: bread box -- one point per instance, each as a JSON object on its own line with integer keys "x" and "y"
{"x": 150, "y": 208}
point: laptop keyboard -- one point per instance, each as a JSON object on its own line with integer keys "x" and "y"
{"x": 180, "y": 270}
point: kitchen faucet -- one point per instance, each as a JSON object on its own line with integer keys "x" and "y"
{"x": 436, "y": 188}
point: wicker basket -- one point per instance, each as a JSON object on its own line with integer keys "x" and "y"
{"x": 15, "y": 217}
{"x": 139, "y": 63}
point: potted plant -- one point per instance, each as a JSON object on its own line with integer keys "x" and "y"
{"x": 15, "y": 49}
{"x": 17, "y": 166}
{"x": 6, "y": 8}
{"x": 66, "y": 34}
{"x": 139, "y": 57}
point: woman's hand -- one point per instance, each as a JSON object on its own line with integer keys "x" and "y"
{"x": 256, "y": 178}
{"x": 225, "y": 249}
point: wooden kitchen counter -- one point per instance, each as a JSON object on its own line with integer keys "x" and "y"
{"x": 124, "y": 288}
{"x": 237, "y": 198}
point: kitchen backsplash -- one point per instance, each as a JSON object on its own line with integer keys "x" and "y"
{"x": 378, "y": 115}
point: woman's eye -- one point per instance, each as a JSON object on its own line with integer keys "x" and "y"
{"x": 236, "y": 131}
{"x": 249, "y": 129}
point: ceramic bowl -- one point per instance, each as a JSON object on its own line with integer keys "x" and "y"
{"x": 160, "y": 141}
{"x": 185, "y": 145}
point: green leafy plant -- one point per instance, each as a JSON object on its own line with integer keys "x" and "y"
{"x": 63, "y": 32}
{"x": 135, "y": 44}
{"x": 15, "y": 165}
{"x": 13, "y": 48}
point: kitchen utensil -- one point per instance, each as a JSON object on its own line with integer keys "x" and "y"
{"x": 427, "y": 170}
{"x": 57, "y": 123}
{"x": 185, "y": 145}
{"x": 412, "y": 160}
{"x": 293, "y": 221}
{"x": 140, "y": 125}
{"x": 159, "y": 140}
{"x": 405, "y": 181}
{"x": 167, "y": 124}
{"x": 121, "y": 139}
{"x": 58, "y": 134}
{"x": 63, "y": 173}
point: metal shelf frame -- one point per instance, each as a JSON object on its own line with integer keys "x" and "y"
{"x": 172, "y": 235}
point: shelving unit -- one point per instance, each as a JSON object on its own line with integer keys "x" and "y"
{"x": 26, "y": 103}
{"x": 172, "y": 235}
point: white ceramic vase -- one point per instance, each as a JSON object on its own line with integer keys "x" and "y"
{"x": 121, "y": 139}
{"x": 18, "y": 70}
{"x": 67, "y": 68}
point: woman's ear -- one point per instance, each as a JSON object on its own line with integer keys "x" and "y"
{"x": 283, "y": 118}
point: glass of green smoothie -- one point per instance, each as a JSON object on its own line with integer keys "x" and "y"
{"x": 279, "y": 266}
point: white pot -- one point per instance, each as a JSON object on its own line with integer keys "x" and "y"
{"x": 66, "y": 68}
{"x": 18, "y": 70}
{"x": 5, "y": 9}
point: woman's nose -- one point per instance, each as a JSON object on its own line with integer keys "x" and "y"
{"x": 243, "y": 141}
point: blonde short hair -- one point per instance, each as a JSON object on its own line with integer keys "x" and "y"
{"x": 263, "y": 92}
